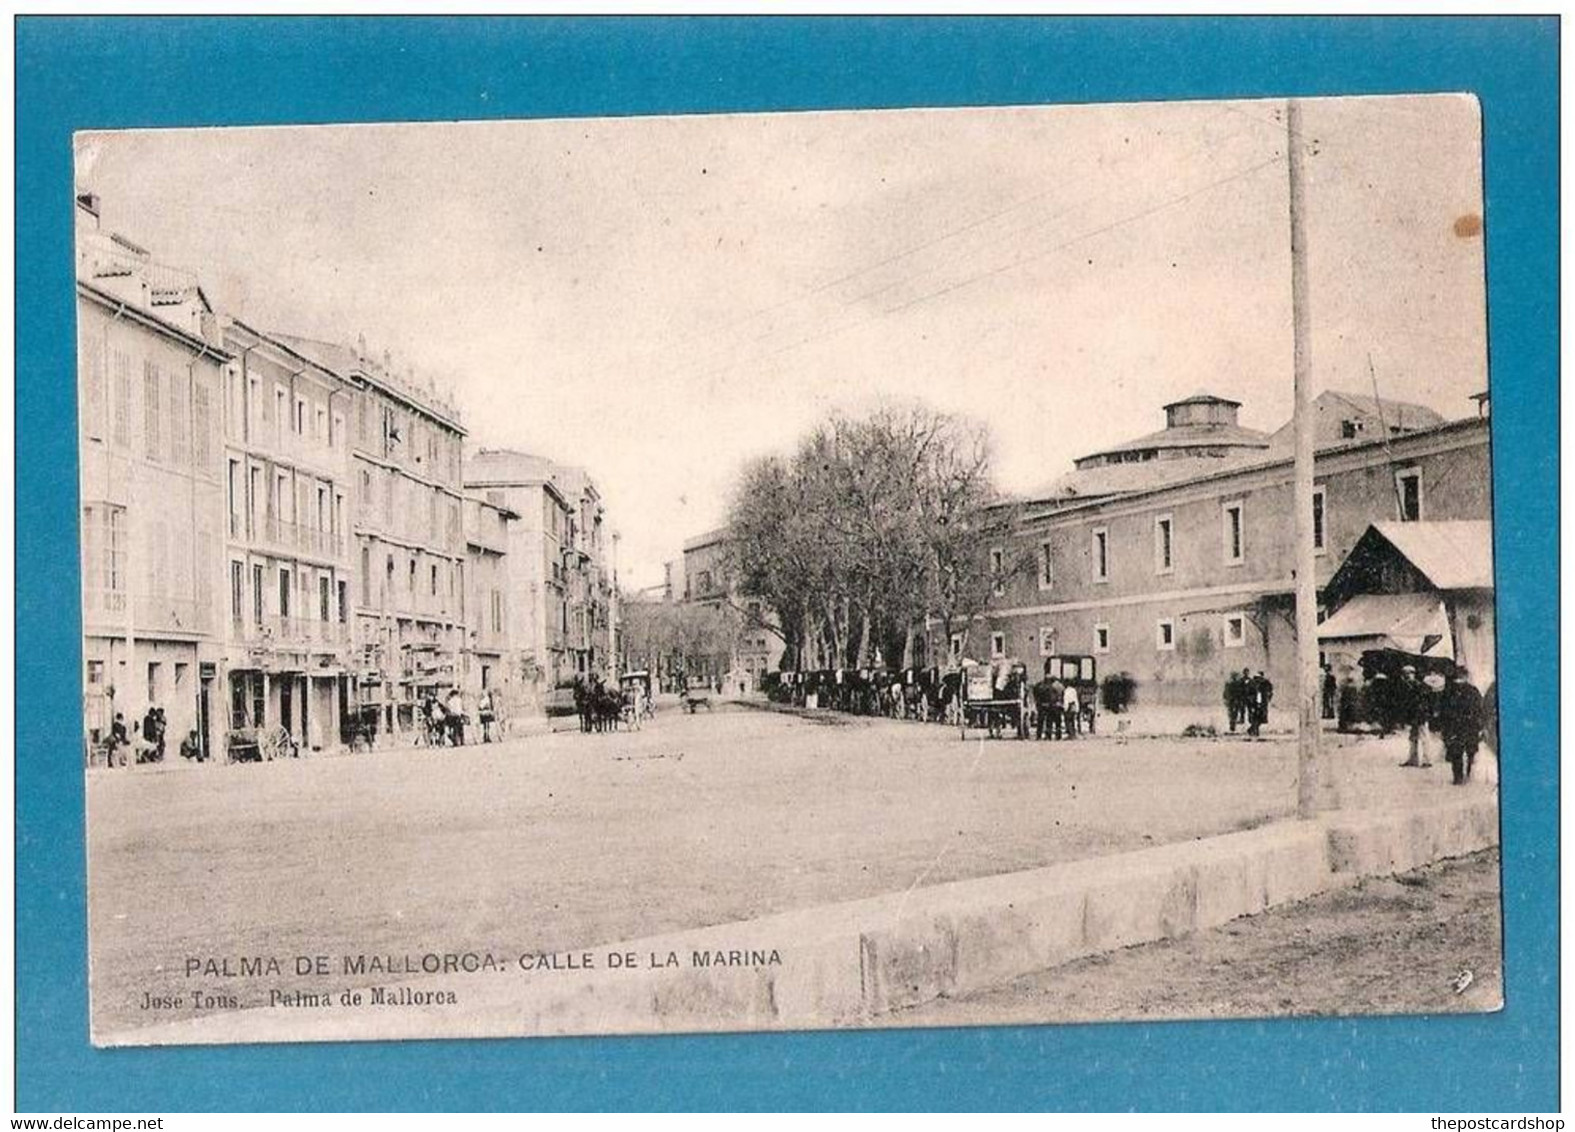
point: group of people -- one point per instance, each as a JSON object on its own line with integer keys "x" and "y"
{"x": 1456, "y": 712}
{"x": 444, "y": 720}
{"x": 1058, "y": 708}
{"x": 1248, "y": 695}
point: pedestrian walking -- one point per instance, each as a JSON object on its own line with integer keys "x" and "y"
{"x": 484, "y": 714}
{"x": 1411, "y": 700}
{"x": 1047, "y": 709}
{"x": 1260, "y": 692}
{"x": 1235, "y": 697}
{"x": 1460, "y": 720}
{"x": 1330, "y": 690}
{"x": 455, "y": 712}
{"x": 1350, "y": 703}
{"x": 119, "y": 740}
{"x": 1072, "y": 710}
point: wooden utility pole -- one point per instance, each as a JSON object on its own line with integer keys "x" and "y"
{"x": 1314, "y": 785}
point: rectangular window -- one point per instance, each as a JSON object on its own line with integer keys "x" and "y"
{"x": 254, "y": 491}
{"x": 151, "y": 380}
{"x": 1232, "y": 535}
{"x": 234, "y": 487}
{"x": 320, "y": 428}
{"x": 1235, "y": 632}
{"x": 284, "y": 593}
{"x": 201, "y": 424}
{"x": 92, "y": 356}
{"x": 344, "y": 602}
{"x": 1046, "y": 567}
{"x": 1408, "y": 488}
{"x": 237, "y": 591}
{"x": 1319, "y": 511}
{"x": 257, "y": 594}
{"x": 997, "y": 571}
{"x": 1046, "y": 640}
{"x": 1165, "y": 635}
{"x": 256, "y": 407}
{"x": 997, "y": 646}
{"x": 1101, "y": 638}
{"x": 1099, "y": 554}
{"x": 153, "y": 681}
{"x": 366, "y": 575}
{"x": 434, "y": 580}
{"x": 300, "y": 416}
{"x": 497, "y": 611}
{"x": 1164, "y": 544}
{"x": 281, "y": 414}
{"x": 122, "y": 399}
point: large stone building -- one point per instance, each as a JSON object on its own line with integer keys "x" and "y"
{"x": 406, "y": 452}
{"x": 1177, "y": 568}
{"x": 492, "y": 662}
{"x": 150, "y": 367}
{"x": 287, "y": 565}
{"x": 756, "y": 646}
{"x": 562, "y": 616}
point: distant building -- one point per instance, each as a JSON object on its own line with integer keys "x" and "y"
{"x": 150, "y": 361}
{"x": 758, "y": 646}
{"x": 1178, "y": 569}
{"x": 562, "y": 579}
{"x": 492, "y": 661}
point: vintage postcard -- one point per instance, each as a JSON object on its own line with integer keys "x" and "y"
{"x": 787, "y": 571}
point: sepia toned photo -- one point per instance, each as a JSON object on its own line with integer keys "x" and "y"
{"x": 922, "y": 567}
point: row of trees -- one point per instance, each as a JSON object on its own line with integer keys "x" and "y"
{"x": 677, "y": 640}
{"x": 871, "y": 526}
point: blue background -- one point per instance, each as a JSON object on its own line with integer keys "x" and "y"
{"x": 105, "y": 73}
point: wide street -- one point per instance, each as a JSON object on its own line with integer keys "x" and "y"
{"x": 561, "y": 840}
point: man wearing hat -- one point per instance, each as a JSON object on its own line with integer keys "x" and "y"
{"x": 1412, "y": 699}
{"x": 1460, "y": 721}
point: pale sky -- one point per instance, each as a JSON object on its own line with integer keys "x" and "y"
{"x": 658, "y": 299}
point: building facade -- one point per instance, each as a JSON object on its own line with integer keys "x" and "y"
{"x": 150, "y": 369}
{"x": 409, "y": 555}
{"x": 548, "y": 571}
{"x": 1181, "y": 580}
{"x": 756, "y": 647}
{"x": 492, "y": 662}
{"x": 287, "y": 565}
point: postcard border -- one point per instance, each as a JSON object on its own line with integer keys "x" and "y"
{"x": 104, "y": 73}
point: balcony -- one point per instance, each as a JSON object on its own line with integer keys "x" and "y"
{"x": 300, "y": 632}
{"x": 281, "y": 535}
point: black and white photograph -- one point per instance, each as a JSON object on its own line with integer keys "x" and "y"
{"x": 787, "y": 571}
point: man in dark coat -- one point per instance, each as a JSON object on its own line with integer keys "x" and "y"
{"x": 1259, "y": 693}
{"x": 1047, "y": 709}
{"x": 1235, "y": 697}
{"x": 1460, "y": 722}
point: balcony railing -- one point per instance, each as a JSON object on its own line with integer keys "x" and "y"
{"x": 295, "y": 536}
{"x": 277, "y": 631}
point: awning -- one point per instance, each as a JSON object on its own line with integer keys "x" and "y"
{"x": 1414, "y": 623}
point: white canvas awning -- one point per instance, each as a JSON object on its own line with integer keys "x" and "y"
{"x": 1414, "y": 623}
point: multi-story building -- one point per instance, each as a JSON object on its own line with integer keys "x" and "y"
{"x": 540, "y": 558}
{"x": 287, "y": 569}
{"x": 408, "y": 561}
{"x": 492, "y": 663}
{"x": 150, "y": 366}
{"x": 591, "y": 582}
{"x": 756, "y": 646}
{"x": 1178, "y": 568}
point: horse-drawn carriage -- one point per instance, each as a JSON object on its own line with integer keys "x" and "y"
{"x": 638, "y": 703}
{"x": 260, "y": 744}
{"x": 697, "y": 694}
{"x": 1080, "y": 672}
{"x": 994, "y": 699}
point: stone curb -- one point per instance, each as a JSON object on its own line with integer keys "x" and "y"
{"x": 844, "y": 964}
